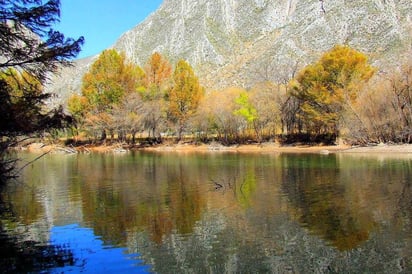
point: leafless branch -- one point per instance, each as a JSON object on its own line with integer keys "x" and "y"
{"x": 37, "y": 158}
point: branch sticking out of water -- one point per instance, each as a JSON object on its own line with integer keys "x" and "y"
{"x": 217, "y": 185}
{"x": 322, "y": 6}
{"x": 37, "y": 158}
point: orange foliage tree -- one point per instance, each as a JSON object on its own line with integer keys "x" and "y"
{"x": 158, "y": 72}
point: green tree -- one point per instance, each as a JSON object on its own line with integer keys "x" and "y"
{"x": 28, "y": 23}
{"x": 245, "y": 108}
{"x": 185, "y": 95}
{"x": 324, "y": 87}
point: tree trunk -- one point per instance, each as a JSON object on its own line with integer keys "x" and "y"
{"x": 103, "y": 136}
{"x": 133, "y": 137}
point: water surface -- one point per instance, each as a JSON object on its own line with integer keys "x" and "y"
{"x": 213, "y": 213}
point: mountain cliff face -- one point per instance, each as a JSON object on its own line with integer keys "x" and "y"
{"x": 227, "y": 41}
{"x": 241, "y": 42}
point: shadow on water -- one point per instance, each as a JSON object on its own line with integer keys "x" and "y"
{"x": 20, "y": 254}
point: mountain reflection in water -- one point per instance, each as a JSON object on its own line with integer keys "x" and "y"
{"x": 220, "y": 212}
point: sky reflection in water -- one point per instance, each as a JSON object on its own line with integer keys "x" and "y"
{"x": 90, "y": 253}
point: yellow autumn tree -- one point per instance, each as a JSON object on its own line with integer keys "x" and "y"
{"x": 22, "y": 102}
{"x": 185, "y": 95}
{"x": 109, "y": 78}
{"x": 77, "y": 106}
{"x": 325, "y": 86}
{"x": 104, "y": 86}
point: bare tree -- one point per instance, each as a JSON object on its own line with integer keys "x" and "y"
{"x": 383, "y": 112}
{"x": 128, "y": 116}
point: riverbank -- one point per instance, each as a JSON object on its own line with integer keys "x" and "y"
{"x": 215, "y": 147}
{"x": 275, "y": 148}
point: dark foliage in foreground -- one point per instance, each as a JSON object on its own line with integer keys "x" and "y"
{"x": 29, "y": 45}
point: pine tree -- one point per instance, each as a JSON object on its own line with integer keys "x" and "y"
{"x": 29, "y": 51}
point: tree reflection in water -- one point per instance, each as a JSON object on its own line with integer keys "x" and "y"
{"x": 314, "y": 189}
{"x": 170, "y": 203}
{"x": 274, "y": 213}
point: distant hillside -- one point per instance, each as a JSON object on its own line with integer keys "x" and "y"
{"x": 242, "y": 42}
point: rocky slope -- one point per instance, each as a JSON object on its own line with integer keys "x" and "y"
{"x": 241, "y": 42}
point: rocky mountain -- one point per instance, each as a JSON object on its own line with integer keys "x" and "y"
{"x": 241, "y": 42}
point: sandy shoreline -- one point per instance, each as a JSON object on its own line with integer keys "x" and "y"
{"x": 274, "y": 148}
{"x": 216, "y": 148}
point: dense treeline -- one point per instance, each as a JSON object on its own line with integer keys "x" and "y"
{"x": 340, "y": 95}
{"x": 121, "y": 99}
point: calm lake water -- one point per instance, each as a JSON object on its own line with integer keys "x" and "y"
{"x": 210, "y": 213}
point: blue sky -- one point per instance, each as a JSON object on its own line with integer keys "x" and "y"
{"x": 102, "y": 22}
